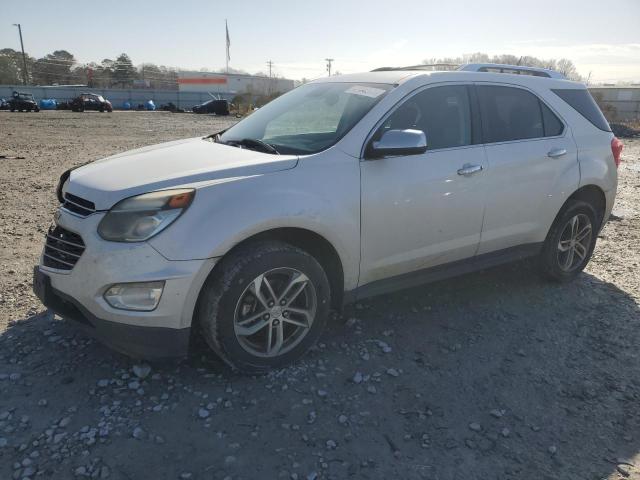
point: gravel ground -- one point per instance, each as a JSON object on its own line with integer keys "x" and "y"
{"x": 494, "y": 375}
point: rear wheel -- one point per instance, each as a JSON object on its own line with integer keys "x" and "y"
{"x": 570, "y": 241}
{"x": 264, "y": 306}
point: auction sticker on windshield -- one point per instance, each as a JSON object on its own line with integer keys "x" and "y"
{"x": 365, "y": 91}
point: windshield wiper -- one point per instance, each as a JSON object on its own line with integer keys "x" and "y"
{"x": 254, "y": 143}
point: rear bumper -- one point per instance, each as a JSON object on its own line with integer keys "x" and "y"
{"x": 133, "y": 340}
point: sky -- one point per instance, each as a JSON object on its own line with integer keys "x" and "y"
{"x": 601, "y": 38}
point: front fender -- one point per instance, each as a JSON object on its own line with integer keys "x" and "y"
{"x": 322, "y": 195}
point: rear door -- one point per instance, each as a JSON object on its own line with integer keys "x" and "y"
{"x": 532, "y": 165}
{"x": 420, "y": 211}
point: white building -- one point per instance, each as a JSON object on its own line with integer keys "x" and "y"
{"x": 232, "y": 84}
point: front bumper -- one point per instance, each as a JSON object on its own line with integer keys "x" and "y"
{"x": 132, "y": 340}
{"x": 77, "y": 294}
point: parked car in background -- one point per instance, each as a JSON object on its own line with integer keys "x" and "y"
{"x": 23, "y": 102}
{"x": 219, "y": 107}
{"x": 346, "y": 187}
{"x": 90, "y": 101}
{"x": 4, "y": 105}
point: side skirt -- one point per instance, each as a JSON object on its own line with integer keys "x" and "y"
{"x": 441, "y": 272}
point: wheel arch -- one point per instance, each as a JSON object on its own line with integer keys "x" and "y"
{"x": 311, "y": 242}
{"x": 594, "y": 196}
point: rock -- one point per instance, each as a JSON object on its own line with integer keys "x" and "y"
{"x": 138, "y": 433}
{"x": 552, "y": 450}
{"x": 357, "y": 378}
{"x": 393, "y": 372}
{"x": 312, "y": 476}
{"x": 505, "y": 432}
{"x": 3, "y": 442}
{"x": 331, "y": 445}
{"x": 81, "y": 471}
{"x": 384, "y": 346}
{"x": 203, "y": 413}
{"x": 135, "y": 385}
{"x": 624, "y": 470}
{"x": 104, "y": 472}
{"x": 42, "y": 402}
{"x": 475, "y": 427}
{"x": 186, "y": 475}
{"x": 230, "y": 460}
{"x": 497, "y": 413}
{"x": 372, "y": 390}
{"x": 64, "y": 422}
{"x": 141, "y": 371}
{"x": 103, "y": 383}
{"x": 15, "y": 377}
{"x": 342, "y": 419}
{"x": 322, "y": 393}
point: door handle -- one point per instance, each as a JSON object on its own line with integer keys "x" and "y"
{"x": 557, "y": 152}
{"x": 468, "y": 170}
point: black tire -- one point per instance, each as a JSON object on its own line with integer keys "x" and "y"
{"x": 551, "y": 258}
{"x": 221, "y": 296}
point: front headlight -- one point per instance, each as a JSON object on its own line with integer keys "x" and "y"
{"x": 139, "y": 218}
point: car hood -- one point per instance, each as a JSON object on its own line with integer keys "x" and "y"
{"x": 168, "y": 165}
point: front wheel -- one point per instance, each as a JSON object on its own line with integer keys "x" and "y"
{"x": 570, "y": 241}
{"x": 264, "y": 306}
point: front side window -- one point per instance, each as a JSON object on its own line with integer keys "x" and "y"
{"x": 442, "y": 113}
{"x": 310, "y": 118}
{"x": 509, "y": 114}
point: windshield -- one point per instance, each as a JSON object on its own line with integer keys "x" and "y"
{"x": 310, "y": 118}
{"x": 25, "y": 96}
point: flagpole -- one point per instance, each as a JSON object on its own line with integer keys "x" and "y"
{"x": 226, "y": 29}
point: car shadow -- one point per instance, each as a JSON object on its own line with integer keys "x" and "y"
{"x": 497, "y": 374}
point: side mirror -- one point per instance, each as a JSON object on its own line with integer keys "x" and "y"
{"x": 398, "y": 142}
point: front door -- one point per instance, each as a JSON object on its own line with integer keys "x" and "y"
{"x": 424, "y": 210}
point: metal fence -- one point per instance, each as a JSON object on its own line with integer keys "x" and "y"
{"x": 619, "y": 104}
{"x": 116, "y": 96}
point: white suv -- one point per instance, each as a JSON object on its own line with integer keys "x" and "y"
{"x": 347, "y": 187}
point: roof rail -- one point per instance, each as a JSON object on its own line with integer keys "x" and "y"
{"x": 513, "y": 69}
{"x": 426, "y": 66}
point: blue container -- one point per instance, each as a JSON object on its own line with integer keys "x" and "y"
{"x": 48, "y": 104}
{"x": 126, "y": 106}
{"x": 150, "y": 105}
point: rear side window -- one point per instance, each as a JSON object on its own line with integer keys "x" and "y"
{"x": 582, "y": 101}
{"x": 552, "y": 124}
{"x": 509, "y": 114}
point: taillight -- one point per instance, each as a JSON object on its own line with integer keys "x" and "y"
{"x": 616, "y": 149}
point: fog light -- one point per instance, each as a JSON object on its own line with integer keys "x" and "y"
{"x": 142, "y": 297}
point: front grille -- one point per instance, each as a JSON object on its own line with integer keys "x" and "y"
{"x": 62, "y": 248}
{"x": 78, "y": 205}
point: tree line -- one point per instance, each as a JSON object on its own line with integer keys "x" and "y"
{"x": 61, "y": 68}
{"x": 563, "y": 65}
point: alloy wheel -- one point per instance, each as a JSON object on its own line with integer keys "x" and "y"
{"x": 575, "y": 242}
{"x": 275, "y": 312}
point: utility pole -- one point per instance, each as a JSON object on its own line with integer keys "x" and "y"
{"x": 329, "y": 60}
{"x": 24, "y": 58}
{"x": 270, "y": 86}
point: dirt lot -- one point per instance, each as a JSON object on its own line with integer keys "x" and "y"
{"x": 495, "y": 375}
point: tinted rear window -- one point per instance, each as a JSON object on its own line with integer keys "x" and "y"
{"x": 582, "y": 101}
{"x": 552, "y": 124}
{"x": 509, "y": 114}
